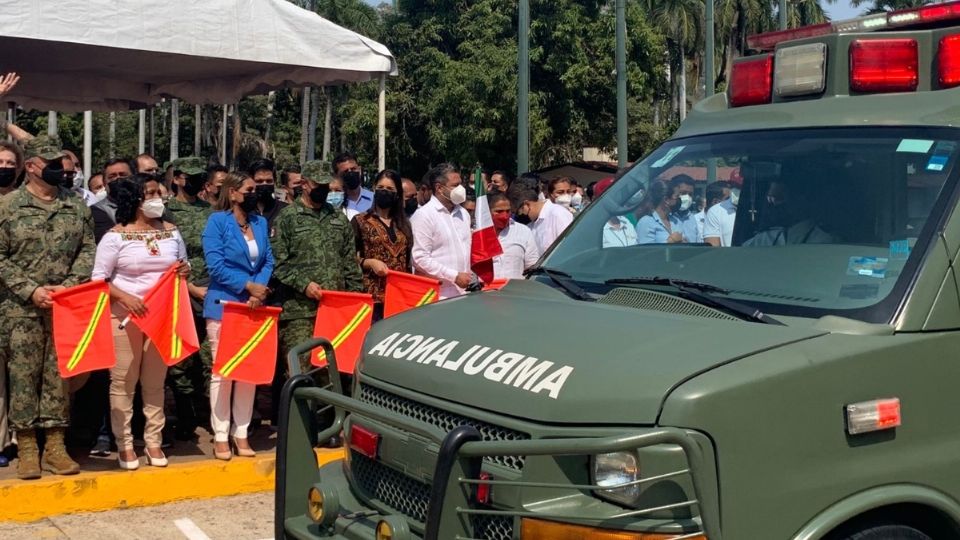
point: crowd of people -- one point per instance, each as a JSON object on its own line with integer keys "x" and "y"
{"x": 258, "y": 236}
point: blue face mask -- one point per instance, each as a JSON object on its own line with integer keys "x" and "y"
{"x": 335, "y": 199}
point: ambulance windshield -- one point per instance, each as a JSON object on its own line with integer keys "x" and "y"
{"x": 801, "y": 222}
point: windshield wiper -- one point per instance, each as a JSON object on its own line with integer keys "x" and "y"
{"x": 563, "y": 280}
{"x": 701, "y": 293}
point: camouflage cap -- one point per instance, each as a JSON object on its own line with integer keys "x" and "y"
{"x": 316, "y": 171}
{"x": 43, "y": 146}
{"x": 189, "y": 165}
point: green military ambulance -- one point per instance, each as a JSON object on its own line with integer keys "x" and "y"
{"x": 794, "y": 375}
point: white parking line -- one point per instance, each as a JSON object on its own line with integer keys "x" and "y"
{"x": 190, "y": 529}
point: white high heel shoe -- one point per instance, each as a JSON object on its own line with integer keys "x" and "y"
{"x": 156, "y": 462}
{"x": 128, "y": 465}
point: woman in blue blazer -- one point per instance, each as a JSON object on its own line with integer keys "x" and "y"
{"x": 236, "y": 246}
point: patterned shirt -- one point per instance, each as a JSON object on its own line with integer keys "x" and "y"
{"x": 390, "y": 245}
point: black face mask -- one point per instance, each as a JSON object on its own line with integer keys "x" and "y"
{"x": 523, "y": 219}
{"x": 318, "y": 195}
{"x": 384, "y": 199}
{"x": 249, "y": 203}
{"x": 68, "y": 179}
{"x": 53, "y": 173}
{"x": 351, "y": 179}
{"x": 194, "y": 185}
{"x": 7, "y": 176}
{"x": 410, "y": 206}
{"x": 265, "y": 193}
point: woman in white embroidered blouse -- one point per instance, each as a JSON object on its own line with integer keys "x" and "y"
{"x": 133, "y": 255}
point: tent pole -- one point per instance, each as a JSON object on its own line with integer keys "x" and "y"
{"x": 87, "y": 144}
{"x": 174, "y": 129}
{"x": 52, "y": 128}
{"x": 197, "y": 124}
{"x": 523, "y": 88}
{"x": 621, "y": 63}
{"x": 153, "y": 131}
{"x": 142, "y": 131}
{"x": 382, "y": 124}
{"x": 327, "y": 122}
{"x": 223, "y": 138}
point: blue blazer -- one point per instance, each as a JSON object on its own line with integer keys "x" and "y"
{"x": 228, "y": 260}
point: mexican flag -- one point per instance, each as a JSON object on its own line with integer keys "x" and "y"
{"x": 484, "y": 244}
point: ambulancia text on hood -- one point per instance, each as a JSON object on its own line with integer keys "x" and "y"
{"x": 515, "y": 369}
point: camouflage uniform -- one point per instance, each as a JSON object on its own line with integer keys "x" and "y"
{"x": 311, "y": 246}
{"x": 190, "y": 378}
{"x": 40, "y": 244}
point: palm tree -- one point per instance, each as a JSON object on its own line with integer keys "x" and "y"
{"x": 881, "y": 6}
{"x": 681, "y": 23}
{"x": 737, "y": 19}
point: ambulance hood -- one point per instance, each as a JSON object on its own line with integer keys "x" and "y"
{"x": 530, "y": 351}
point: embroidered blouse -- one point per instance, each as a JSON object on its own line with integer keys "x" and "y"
{"x": 375, "y": 240}
{"x": 134, "y": 261}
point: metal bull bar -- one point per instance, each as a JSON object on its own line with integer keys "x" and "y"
{"x": 463, "y": 443}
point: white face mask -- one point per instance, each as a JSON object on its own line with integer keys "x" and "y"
{"x": 100, "y": 195}
{"x": 541, "y": 196}
{"x": 564, "y": 200}
{"x": 685, "y": 202}
{"x": 576, "y": 201}
{"x": 735, "y": 196}
{"x": 458, "y": 195}
{"x": 152, "y": 208}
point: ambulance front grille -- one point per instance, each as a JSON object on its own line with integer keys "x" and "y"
{"x": 411, "y": 497}
{"x": 445, "y": 420}
{"x": 400, "y": 492}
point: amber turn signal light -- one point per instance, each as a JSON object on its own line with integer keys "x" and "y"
{"x": 535, "y": 529}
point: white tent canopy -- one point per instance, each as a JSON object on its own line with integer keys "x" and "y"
{"x": 78, "y": 55}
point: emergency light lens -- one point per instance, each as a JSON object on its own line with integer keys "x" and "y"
{"x": 751, "y": 83}
{"x": 948, "y": 61}
{"x": 767, "y": 41}
{"x": 873, "y": 22}
{"x": 875, "y": 415}
{"x": 364, "y": 441}
{"x": 800, "y": 70}
{"x": 883, "y": 65}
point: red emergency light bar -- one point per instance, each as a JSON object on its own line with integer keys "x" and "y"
{"x": 903, "y": 18}
{"x": 884, "y": 65}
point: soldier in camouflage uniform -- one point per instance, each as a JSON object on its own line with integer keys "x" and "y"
{"x": 46, "y": 244}
{"x": 190, "y": 378}
{"x": 314, "y": 250}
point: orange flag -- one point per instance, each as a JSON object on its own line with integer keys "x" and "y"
{"x": 169, "y": 319}
{"x": 344, "y": 319}
{"x": 405, "y": 291}
{"x": 81, "y": 328}
{"x": 247, "y": 352}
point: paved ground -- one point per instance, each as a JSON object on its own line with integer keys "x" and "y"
{"x": 243, "y": 517}
{"x": 263, "y": 439}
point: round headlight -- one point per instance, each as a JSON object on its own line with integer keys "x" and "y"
{"x": 615, "y": 470}
{"x": 384, "y": 531}
{"x": 323, "y": 504}
{"x": 315, "y": 504}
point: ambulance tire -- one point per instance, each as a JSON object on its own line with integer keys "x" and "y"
{"x": 889, "y": 532}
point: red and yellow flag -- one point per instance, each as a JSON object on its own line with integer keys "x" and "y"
{"x": 169, "y": 319}
{"x": 495, "y": 285}
{"x": 343, "y": 318}
{"x": 406, "y": 291}
{"x": 247, "y": 351}
{"x": 81, "y": 328}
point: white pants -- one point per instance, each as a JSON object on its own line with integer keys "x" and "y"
{"x": 221, "y": 391}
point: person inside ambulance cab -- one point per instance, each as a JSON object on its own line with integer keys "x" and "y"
{"x": 786, "y": 219}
